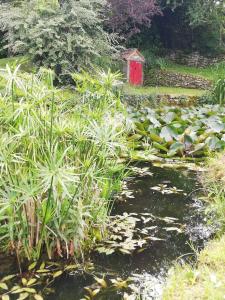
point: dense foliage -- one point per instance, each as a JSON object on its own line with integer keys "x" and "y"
{"x": 58, "y": 163}
{"x": 174, "y": 131}
{"x": 127, "y": 16}
{"x": 190, "y": 25}
{"x": 65, "y": 36}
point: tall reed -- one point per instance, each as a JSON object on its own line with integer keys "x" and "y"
{"x": 58, "y": 163}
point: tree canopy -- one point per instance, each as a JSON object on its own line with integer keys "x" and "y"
{"x": 70, "y": 34}
{"x": 126, "y": 16}
{"x": 62, "y": 35}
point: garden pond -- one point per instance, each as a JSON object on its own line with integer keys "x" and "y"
{"x": 158, "y": 219}
{"x": 166, "y": 200}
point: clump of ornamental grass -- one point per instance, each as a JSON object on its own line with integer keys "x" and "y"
{"x": 216, "y": 170}
{"x": 58, "y": 163}
{"x": 213, "y": 180}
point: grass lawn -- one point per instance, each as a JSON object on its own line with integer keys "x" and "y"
{"x": 210, "y": 73}
{"x": 173, "y": 91}
{"x": 206, "y": 281}
{"x": 26, "y": 65}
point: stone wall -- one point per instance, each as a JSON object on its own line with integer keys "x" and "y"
{"x": 194, "y": 59}
{"x": 169, "y": 78}
{"x": 155, "y": 100}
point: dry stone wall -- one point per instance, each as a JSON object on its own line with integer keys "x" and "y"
{"x": 154, "y": 100}
{"x": 194, "y": 59}
{"x": 169, "y": 78}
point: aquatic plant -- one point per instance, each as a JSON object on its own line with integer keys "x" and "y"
{"x": 177, "y": 132}
{"x": 58, "y": 163}
{"x": 213, "y": 180}
{"x": 219, "y": 91}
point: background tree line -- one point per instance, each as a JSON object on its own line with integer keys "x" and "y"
{"x": 69, "y": 34}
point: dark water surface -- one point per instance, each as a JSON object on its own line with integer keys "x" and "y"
{"x": 151, "y": 266}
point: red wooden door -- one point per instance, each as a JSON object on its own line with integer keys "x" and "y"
{"x": 136, "y": 72}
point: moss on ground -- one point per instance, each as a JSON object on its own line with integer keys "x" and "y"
{"x": 206, "y": 281}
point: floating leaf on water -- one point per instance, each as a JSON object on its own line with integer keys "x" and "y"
{"x": 24, "y": 281}
{"x": 124, "y": 251}
{"x": 15, "y": 287}
{"x": 154, "y": 238}
{"x": 146, "y": 220}
{"x": 101, "y": 281}
{"x": 38, "y": 297}
{"x": 6, "y": 278}
{"x": 29, "y": 290}
{"x": 95, "y": 292}
{"x": 42, "y": 266}
{"x": 32, "y": 266}
{"x": 141, "y": 171}
{"x": 57, "y": 274}
{"x": 31, "y": 281}
{"x": 23, "y": 296}
{"x": 17, "y": 290}
{"x": 42, "y": 271}
{"x": 169, "y": 219}
{"x": 91, "y": 292}
{"x": 120, "y": 283}
{"x": 3, "y": 286}
{"x": 71, "y": 267}
{"x": 141, "y": 250}
{"x": 173, "y": 229}
{"x": 21, "y": 290}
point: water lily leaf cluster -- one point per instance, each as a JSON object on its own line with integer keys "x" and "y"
{"x": 178, "y": 132}
{"x": 164, "y": 189}
{"x": 104, "y": 286}
{"x": 36, "y": 281}
{"x": 135, "y": 232}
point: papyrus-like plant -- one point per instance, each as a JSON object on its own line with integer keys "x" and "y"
{"x": 56, "y": 163}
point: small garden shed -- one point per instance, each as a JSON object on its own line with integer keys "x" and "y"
{"x": 134, "y": 63}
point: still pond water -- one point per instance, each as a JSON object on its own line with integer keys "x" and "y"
{"x": 150, "y": 266}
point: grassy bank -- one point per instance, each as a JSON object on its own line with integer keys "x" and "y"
{"x": 207, "y": 279}
{"x": 25, "y": 63}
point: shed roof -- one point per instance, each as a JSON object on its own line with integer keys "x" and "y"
{"x": 134, "y": 53}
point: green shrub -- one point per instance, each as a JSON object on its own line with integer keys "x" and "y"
{"x": 214, "y": 182}
{"x": 219, "y": 92}
{"x": 58, "y": 163}
{"x": 63, "y": 37}
{"x": 206, "y": 98}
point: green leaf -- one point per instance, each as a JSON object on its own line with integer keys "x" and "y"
{"x": 31, "y": 281}
{"x": 168, "y": 133}
{"x": 155, "y": 138}
{"x": 32, "y": 266}
{"x": 57, "y": 274}
{"x": 160, "y": 147}
{"x": 3, "y": 286}
{"x": 23, "y": 296}
{"x": 38, "y": 297}
{"x": 6, "y": 278}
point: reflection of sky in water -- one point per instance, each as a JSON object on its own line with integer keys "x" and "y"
{"x": 152, "y": 264}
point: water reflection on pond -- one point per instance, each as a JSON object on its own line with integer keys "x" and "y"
{"x": 150, "y": 266}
